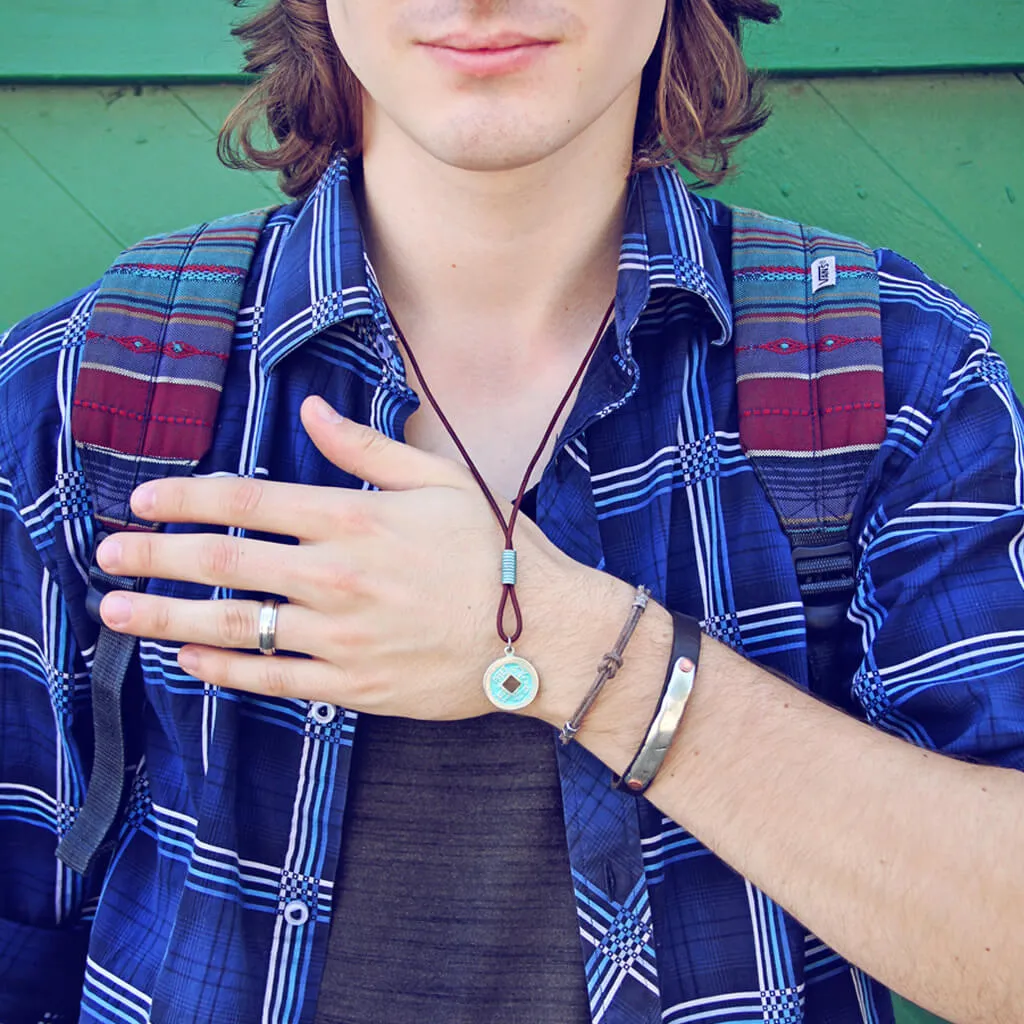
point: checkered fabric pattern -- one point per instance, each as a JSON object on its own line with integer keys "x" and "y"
{"x": 235, "y": 801}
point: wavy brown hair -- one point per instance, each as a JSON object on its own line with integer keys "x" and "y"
{"x": 698, "y": 99}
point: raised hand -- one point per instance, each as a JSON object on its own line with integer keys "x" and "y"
{"x": 391, "y": 593}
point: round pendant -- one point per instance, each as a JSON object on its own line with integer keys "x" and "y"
{"x": 511, "y": 683}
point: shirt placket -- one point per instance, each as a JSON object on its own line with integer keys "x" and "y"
{"x": 602, "y": 824}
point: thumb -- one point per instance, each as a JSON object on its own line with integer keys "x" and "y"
{"x": 369, "y": 455}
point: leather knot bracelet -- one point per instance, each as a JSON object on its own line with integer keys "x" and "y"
{"x": 682, "y": 668}
{"x": 610, "y": 665}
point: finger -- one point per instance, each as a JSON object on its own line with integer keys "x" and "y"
{"x": 291, "y": 678}
{"x": 291, "y": 510}
{"x": 369, "y": 455}
{"x": 235, "y": 563}
{"x": 230, "y": 623}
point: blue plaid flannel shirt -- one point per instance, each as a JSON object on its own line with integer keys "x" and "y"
{"x": 216, "y": 900}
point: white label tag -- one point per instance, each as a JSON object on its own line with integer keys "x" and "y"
{"x": 823, "y": 274}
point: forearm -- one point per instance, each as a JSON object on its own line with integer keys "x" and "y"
{"x": 906, "y": 862}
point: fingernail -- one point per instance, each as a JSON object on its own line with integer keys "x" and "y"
{"x": 326, "y": 412}
{"x": 109, "y": 553}
{"x": 143, "y": 499}
{"x": 188, "y": 660}
{"x": 116, "y": 609}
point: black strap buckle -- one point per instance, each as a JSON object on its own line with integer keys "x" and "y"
{"x": 102, "y": 583}
{"x": 98, "y": 588}
{"x": 824, "y": 572}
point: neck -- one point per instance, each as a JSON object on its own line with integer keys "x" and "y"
{"x": 533, "y": 250}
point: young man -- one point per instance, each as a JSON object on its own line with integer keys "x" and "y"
{"x": 478, "y": 173}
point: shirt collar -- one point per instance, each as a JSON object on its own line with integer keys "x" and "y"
{"x": 322, "y": 277}
{"x": 667, "y": 244}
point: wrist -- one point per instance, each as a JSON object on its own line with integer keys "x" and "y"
{"x": 591, "y": 619}
{"x": 618, "y": 723}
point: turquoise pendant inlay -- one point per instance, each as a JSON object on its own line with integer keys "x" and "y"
{"x": 511, "y": 683}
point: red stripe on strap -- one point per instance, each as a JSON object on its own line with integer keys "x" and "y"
{"x": 776, "y": 412}
{"x": 172, "y": 421}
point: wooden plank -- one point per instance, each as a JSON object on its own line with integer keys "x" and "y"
{"x": 830, "y": 36}
{"x": 811, "y": 164}
{"x": 52, "y": 246}
{"x": 124, "y": 40}
{"x": 137, "y": 164}
{"x": 120, "y": 40}
{"x": 957, "y": 142}
{"x": 160, "y": 155}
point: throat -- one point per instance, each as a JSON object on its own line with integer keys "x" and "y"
{"x": 508, "y": 416}
{"x": 501, "y": 436}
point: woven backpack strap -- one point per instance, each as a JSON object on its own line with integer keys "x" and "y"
{"x": 810, "y": 390}
{"x": 145, "y": 406}
{"x": 155, "y": 357}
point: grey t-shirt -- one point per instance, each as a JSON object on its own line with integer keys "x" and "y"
{"x": 454, "y": 902}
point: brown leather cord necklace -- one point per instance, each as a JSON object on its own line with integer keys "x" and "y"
{"x": 510, "y": 682}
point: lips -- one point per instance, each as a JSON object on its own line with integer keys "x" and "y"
{"x": 485, "y": 56}
{"x": 468, "y": 42}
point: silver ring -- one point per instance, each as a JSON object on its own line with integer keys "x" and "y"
{"x": 268, "y": 627}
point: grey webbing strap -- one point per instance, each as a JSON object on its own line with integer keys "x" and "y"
{"x": 181, "y": 325}
{"x": 811, "y": 393}
{"x": 114, "y": 653}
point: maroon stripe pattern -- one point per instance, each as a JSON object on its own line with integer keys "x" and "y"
{"x": 809, "y": 377}
{"x": 156, "y": 352}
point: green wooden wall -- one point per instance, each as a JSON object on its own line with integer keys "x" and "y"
{"x": 187, "y": 40}
{"x": 897, "y": 121}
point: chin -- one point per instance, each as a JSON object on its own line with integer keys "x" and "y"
{"x": 494, "y": 149}
{"x": 492, "y": 160}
